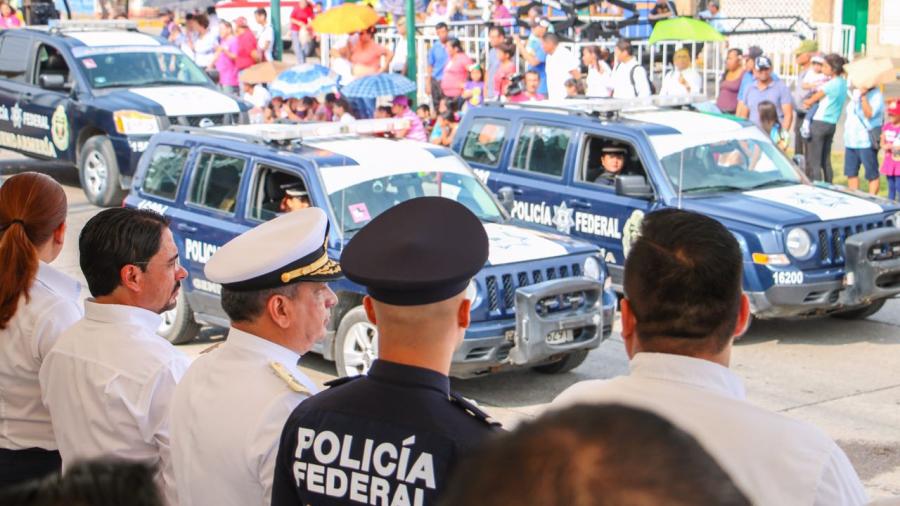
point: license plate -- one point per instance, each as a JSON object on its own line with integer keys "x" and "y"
{"x": 560, "y": 337}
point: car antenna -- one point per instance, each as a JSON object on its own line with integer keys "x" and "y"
{"x": 680, "y": 178}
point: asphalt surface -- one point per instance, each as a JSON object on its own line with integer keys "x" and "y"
{"x": 839, "y": 375}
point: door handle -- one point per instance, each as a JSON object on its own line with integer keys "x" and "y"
{"x": 184, "y": 227}
{"x": 579, "y": 203}
{"x": 518, "y": 191}
{"x": 27, "y": 96}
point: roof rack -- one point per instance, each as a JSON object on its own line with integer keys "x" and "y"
{"x": 607, "y": 107}
{"x": 216, "y": 133}
{"x": 284, "y": 133}
{"x": 78, "y": 25}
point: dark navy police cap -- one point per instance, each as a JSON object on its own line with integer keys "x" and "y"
{"x": 421, "y": 251}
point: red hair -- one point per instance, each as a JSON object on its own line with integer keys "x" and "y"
{"x": 32, "y": 207}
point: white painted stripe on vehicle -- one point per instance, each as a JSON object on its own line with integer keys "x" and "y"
{"x": 189, "y": 100}
{"x": 824, "y": 203}
{"x": 511, "y": 244}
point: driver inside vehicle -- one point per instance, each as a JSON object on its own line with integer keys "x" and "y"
{"x": 295, "y": 198}
{"x": 612, "y": 161}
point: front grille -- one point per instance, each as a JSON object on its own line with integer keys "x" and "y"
{"x": 501, "y": 288}
{"x": 831, "y": 240}
{"x": 198, "y": 120}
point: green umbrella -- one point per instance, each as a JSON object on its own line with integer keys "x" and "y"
{"x": 684, "y": 28}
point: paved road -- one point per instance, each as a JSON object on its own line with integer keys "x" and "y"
{"x": 841, "y": 376}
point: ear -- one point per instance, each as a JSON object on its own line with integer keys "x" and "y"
{"x": 130, "y": 277}
{"x": 464, "y": 314}
{"x": 279, "y": 311}
{"x": 629, "y": 325}
{"x": 370, "y": 309}
{"x": 744, "y": 317}
{"x": 59, "y": 235}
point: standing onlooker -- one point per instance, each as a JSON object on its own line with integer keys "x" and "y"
{"x": 204, "y": 42}
{"x": 453, "y": 82}
{"x": 366, "y": 57}
{"x": 8, "y": 16}
{"x": 862, "y": 135}
{"x": 712, "y": 15}
{"x": 561, "y": 65}
{"x": 599, "y": 81}
{"x": 474, "y": 91}
{"x": 506, "y": 68}
{"x": 501, "y": 15}
{"x": 247, "y": 53}
{"x": 225, "y": 59}
{"x": 765, "y": 88}
{"x": 109, "y": 379}
{"x": 438, "y": 56}
{"x": 400, "y": 109}
{"x": 301, "y": 32}
{"x": 824, "y": 121}
{"x": 167, "y": 19}
{"x": 664, "y": 9}
{"x": 629, "y": 77}
{"x": 265, "y": 38}
{"x": 890, "y": 143}
{"x": 731, "y": 81}
{"x": 768, "y": 121}
{"x": 398, "y": 60}
{"x": 496, "y": 37}
{"x": 37, "y": 303}
{"x": 803, "y": 57}
{"x": 533, "y": 51}
{"x": 530, "y": 89}
{"x": 213, "y": 17}
{"x": 681, "y": 80}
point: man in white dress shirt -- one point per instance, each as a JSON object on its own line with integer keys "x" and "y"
{"x": 230, "y": 409}
{"x": 682, "y": 80}
{"x": 109, "y": 379}
{"x": 683, "y": 308}
{"x": 629, "y": 76}
{"x": 561, "y": 65}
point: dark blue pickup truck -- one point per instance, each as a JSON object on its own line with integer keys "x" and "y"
{"x": 809, "y": 249}
{"x": 542, "y": 301}
{"x": 93, "y": 93}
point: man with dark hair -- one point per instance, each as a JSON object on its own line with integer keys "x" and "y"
{"x": 629, "y": 77}
{"x": 496, "y": 37}
{"x": 398, "y": 430}
{"x": 532, "y": 50}
{"x": 683, "y": 308}
{"x": 109, "y": 379}
{"x": 593, "y": 456}
{"x": 230, "y": 408}
{"x": 560, "y": 66}
{"x": 437, "y": 59}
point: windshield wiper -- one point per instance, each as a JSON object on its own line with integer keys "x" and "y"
{"x": 776, "y": 182}
{"x": 716, "y": 188}
{"x": 167, "y": 81}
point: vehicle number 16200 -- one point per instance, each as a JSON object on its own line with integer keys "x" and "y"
{"x": 788, "y": 277}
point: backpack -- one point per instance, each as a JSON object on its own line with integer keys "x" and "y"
{"x": 634, "y": 84}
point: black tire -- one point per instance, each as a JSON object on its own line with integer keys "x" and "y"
{"x": 566, "y": 364}
{"x": 354, "y": 325}
{"x": 99, "y": 173}
{"x": 861, "y": 313}
{"x": 179, "y": 326}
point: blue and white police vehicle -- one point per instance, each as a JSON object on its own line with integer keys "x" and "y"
{"x": 809, "y": 249}
{"x": 540, "y": 301}
{"x": 93, "y": 93}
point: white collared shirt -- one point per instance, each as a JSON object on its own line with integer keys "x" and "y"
{"x": 623, "y": 87}
{"x": 227, "y": 416}
{"x": 559, "y": 66}
{"x": 599, "y": 83}
{"x": 26, "y": 340}
{"x": 773, "y": 459}
{"x": 671, "y": 84}
{"x": 108, "y": 383}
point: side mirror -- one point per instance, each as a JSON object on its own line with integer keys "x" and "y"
{"x": 634, "y": 186}
{"x": 507, "y": 198}
{"x": 800, "y": 160}
{"x": 55, "y": 82}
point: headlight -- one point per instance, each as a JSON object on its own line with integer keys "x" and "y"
{"x": 799, "y": 243}
{"x": 135, "y": 123}
{"x": 591, "y": 268}
{"x": 896, "y": 219}
{"x": 472, "y": 293}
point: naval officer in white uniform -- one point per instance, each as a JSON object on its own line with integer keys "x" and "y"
{"x": 228, "y": 412}
{"x": 682, "y": 309}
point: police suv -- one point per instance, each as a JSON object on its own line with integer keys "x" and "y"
{"x": 93, "y": 93}
{"x": 540, "y": 301}
{"x": 809, "y": 249}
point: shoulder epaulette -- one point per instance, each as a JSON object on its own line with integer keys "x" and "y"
{"x": 211, "y": 348}
{"x": 342, "y": 381}
{"x": 292, "y": 382}
{"x": 472, "y": 410}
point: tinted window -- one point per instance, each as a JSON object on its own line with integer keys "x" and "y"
{"x": 277, "y": 192}
{"x": 51, "y": 62}
{"x": 216, "y": 181}
{"x": 164, "y": 171}
{"x": 13, "y": 61}
{"x": 484, "y": 142}
{"x": 542, "y": 149}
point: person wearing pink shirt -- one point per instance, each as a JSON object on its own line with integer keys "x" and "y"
{"x": 8, "y": 17}
{"x": 456, "y": 71}
{"x": 416, "y": 130}
{"x": 226, "y": 59}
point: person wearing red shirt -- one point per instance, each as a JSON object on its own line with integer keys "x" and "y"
{"x": 301, "y": 31}
{"x": 246, "y": 55}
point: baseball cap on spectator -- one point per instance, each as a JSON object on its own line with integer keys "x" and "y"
{"x": 754, "y": 52}
{"x": 818, "y": 58}
{"x": 763, "y": 62}
{"x": 240, "y": 21}
{"x": 541, "y": 21}
{"x": 807, "y": 46}
{"x": 401, "y": 100}
{"x": 894, "y": 108}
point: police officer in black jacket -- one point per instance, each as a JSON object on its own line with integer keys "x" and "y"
{"x": 393, "y": 436}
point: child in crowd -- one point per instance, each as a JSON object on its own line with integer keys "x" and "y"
{"x": 474, "y": 90}
{"x": 444, "y": 129}
{"x": 277, "y": 111}
{"x": 574, "y": 88}
{"x": 340, "y": 110}
{"x": 890, "y": 142}
{"x": 424, "y": 114}
{"x": 768, "y": 118}
{"x": 814, "y": 80}
{"x": 383, "y": 111}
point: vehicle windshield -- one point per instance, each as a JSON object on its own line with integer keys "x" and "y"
{"x": 358, "y": 195}
{"x": 111, "y": 69}
{"x": 728, "y": 161}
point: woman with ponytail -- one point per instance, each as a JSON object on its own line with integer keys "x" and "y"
{"x": 37, "y": 303}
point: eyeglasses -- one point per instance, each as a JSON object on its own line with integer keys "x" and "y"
{"x": 172, "y": 264}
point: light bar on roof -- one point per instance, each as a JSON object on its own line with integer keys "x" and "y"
{"x": 604, "y": 105}
{"x": 283, "y": 132}
{"x": 88, "y": 24}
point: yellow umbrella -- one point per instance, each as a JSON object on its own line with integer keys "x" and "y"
{"x": 264, "y": 72}
{"x": 345, "y": 18}
{"x": 870, "y": 72}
